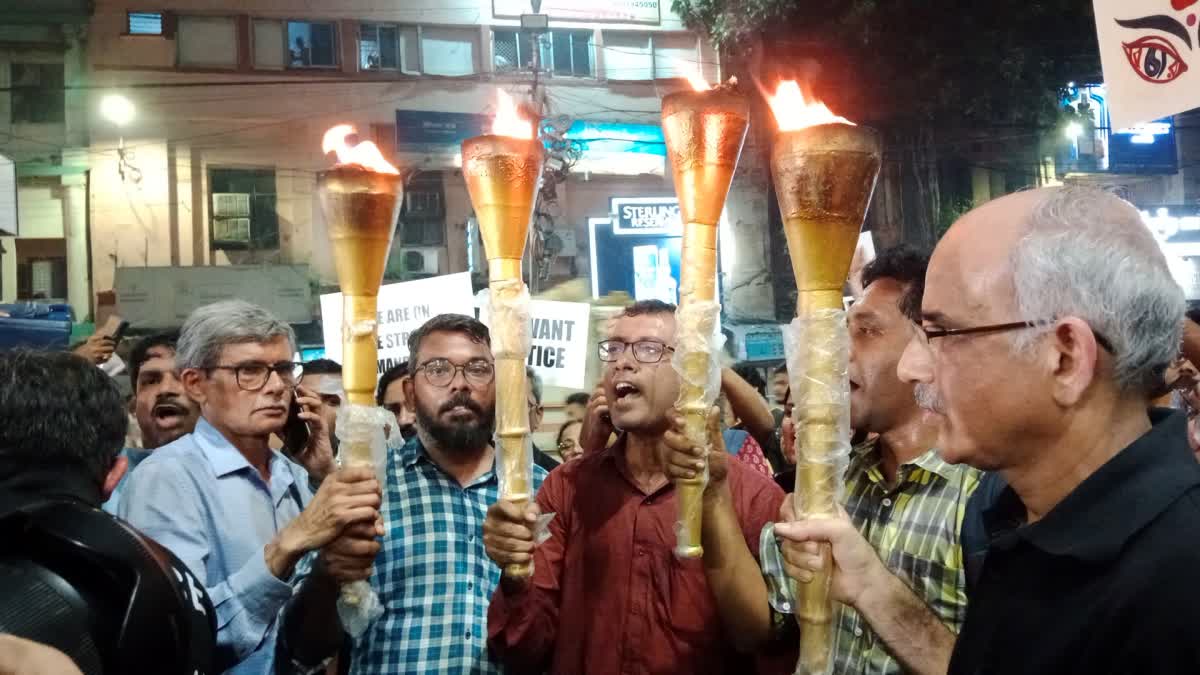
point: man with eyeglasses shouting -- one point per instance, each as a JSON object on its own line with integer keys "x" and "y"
{"x": 430, "y": 571}
{"x": 239, "y": 514}
{"x": 1048, "y": 318}
{"x": 608, "y": 594}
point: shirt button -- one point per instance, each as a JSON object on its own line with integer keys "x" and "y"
{"x": 641, "y": 551}
{"x": 857, "y": 633}
{"x": 470, "y": 585}
{"x": 470, "y": 539}
{"x": 468, "y": 635}
{"x": 887, "y": 501}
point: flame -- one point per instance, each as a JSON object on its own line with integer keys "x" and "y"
{"x": 697, "y": 81}
{"x": 364, "y": 154}
{"x": 793, "y": 113}
{"x": 507, "y": 121}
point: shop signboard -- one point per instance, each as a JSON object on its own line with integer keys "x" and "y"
{"x": 1177, "y": 229}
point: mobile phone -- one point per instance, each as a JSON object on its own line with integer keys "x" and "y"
{"x": 295, "y": 430}
{"x": 119, "y": 333}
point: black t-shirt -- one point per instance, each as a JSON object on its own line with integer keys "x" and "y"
{"x": 1104, "y": 583}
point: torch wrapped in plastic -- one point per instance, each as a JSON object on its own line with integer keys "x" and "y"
{"x": 509, "y": 315}
{"x": 698, "y": 345}
{"x": 817, "y": 346}
{"x": 360, "y": 431}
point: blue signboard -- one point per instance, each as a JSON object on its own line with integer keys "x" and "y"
{"x": 614, "y": 137}
{"x": 643, "y": 264}
{"x": 423, "y": 128}
{"x": 1146, "y": 148}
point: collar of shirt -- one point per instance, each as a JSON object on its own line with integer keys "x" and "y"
{"x": 866, "y": 457}
{"x": 226, "y": 459}
{"x": 413, "y": 453}
{"x": 1119, "y": 499}
{"x": 614, "y": 455}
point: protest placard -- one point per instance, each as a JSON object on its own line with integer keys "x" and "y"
{"x": 402, "y": 308}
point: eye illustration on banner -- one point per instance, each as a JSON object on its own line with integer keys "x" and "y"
{"x": 1153, "y": 57}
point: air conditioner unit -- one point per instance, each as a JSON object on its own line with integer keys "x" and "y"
{"x": 423, "y": 261}
{"x": 231, "y": 230}
{"x": 231, "y": 205}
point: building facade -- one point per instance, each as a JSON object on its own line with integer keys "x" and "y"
{"x": 44, "y": 158}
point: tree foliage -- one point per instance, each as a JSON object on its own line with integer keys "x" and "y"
{"x": 941, "y": 61}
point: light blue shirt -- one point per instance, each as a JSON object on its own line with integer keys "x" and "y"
{"x": 135, "y": 457}
{"x": 199, "y": 497}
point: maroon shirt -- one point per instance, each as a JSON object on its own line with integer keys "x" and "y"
{"x": 608, "y": 595}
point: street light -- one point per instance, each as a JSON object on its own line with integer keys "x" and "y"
{"x": 1073, "y": 131}
{"x": 117, "y": 109}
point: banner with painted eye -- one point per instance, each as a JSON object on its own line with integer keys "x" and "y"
{"x": 1150, "y": 50}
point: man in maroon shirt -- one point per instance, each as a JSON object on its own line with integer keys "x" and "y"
{"x": 608, "y": 595}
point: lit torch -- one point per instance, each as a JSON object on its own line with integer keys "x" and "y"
{"x": 704, "y": 131}
{"x": 825, "y": 169}
{"x": 360, "y": 198}
{"x": 502, "y": 170}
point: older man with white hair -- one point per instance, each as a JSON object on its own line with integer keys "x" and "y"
{"x": 237, "y": 513}
{"x": 1048, "y": 318}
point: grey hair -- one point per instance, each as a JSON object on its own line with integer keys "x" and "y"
{"x": 1088, "y": 254}
{"x": 535, "y": 384}
{"x": 209, "y": 328}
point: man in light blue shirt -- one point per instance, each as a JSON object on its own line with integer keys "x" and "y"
{"x": 237, "y": 513}
{"x": 163, "y": 411}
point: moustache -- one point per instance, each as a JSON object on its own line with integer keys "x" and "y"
{"x": 928, "y": 398}
{"x": 461, "y": 399}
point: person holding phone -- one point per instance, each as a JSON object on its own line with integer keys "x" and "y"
{"x": 239, "y": 514}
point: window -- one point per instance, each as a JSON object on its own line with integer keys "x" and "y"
{"x": 242, "y": 211}
{"x": 675, "y": 55}
{"x": 423, "y": 214}
{"x": 641, "y": 56}
{"x": 269, "y": 44}
{"x": 449, "y": 51}
{"x": 573, "y": 53}
{"x": 145, "y": 23}
{"x": 628, "y": 56}
{"x": 312, "y": 44}
{"x": 207, "y": 41}
{"x": 567, "y": 53}
{"x": 388, "y": 47}
{"x": 38, "y": 94}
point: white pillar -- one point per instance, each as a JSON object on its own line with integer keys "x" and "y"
{"x": 75, "y": 229}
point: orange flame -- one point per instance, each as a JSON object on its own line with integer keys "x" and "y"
{"x": 793, "y": 112}
{"x": 364, "y": 154}
{"x": 697, "y": 81}
{"x": 508, "y": 122}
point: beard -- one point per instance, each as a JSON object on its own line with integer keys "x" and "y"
{"x": 458, "y": 437}
{"x": 928, "y": 398}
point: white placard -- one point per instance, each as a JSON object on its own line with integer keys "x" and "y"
{"x": 403, "y": 307}
{"x": 558, "y": 337}
{"x": 1149, "y": 54}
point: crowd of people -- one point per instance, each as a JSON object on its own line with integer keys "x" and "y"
{"x": 1016, "y": 500}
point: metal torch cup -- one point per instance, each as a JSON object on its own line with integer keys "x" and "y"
{"x": 502, "y": 175}
{"x": 360, "y": 208}
{"x": 704, "y": 132}
{"x": 824, "y": 177}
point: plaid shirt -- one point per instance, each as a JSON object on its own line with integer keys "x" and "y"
{"x": 432, "y": 575}
{"x": 914, "y": 527}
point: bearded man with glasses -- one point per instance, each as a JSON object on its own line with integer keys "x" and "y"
{"x": 239, "y": 514}
{"x": 430, "y": 571}
{"x": 608, "y": 594}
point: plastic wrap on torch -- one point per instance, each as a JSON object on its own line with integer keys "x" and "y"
{"x": 509, "y": 312}
{"x": 824, "y": 177}
{"x": 360, "y": 208}
{"x": 704, "y": 132}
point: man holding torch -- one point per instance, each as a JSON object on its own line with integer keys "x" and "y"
{"x": 430, "y": 570}
{"x": 1049, "y": 316}
{"x": 608, "y": 594}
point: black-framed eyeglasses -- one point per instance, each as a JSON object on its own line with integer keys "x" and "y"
{"x": 253, "y": 375}
{"x": 930, "y": 334}
{"x": 441, "y": 372}
{"x": 645, "y": 351}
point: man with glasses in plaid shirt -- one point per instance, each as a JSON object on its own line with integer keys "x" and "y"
{"x": 907, "y": 503}
{"x": 239, "y": 514}
{"x": 430, "y": 571}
